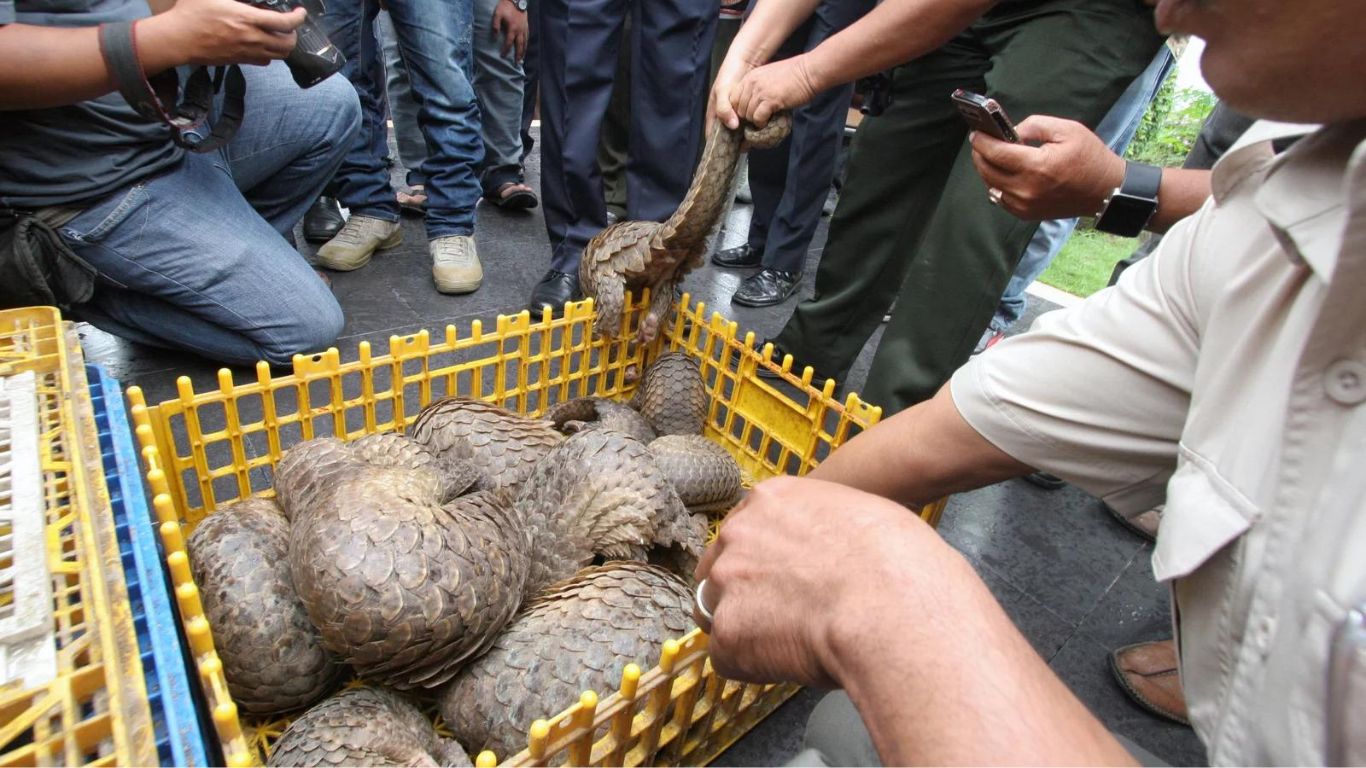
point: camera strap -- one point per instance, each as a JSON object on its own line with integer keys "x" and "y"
{"x": 189, "y": 112}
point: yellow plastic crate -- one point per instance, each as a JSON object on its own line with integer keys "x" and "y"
{"x": 95, "y": 711}
{"x": 205, "y": 449}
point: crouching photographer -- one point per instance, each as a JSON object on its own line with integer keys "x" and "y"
{"x": 104, "y": 212}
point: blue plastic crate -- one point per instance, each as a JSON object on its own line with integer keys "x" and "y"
{"x": 179, "y": 732}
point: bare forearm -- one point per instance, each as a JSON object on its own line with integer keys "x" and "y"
{"x": 941, "y": 676}
{"x": 923, "y": 453}
{"x": 51, "y": 66}
{"x": 1182, "y": 193}
{"x": 768, "y": 25}
{"x": 895, "y": 32}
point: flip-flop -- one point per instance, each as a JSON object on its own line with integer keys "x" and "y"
{"x": 515, "y": 196}
{"x": 413, "y": 199}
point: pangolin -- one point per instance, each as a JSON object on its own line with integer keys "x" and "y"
{"x": 646, "y": 254}
{"x": 704, "y": 474}
{"x": 672, "y": 396}
{"x": 401, "y": 581}
{"x": 601, "y": 411}
{"x": 272, "y": 656}
{"x": 577, "y": 635}
{"x": 504, "y": 446}
{"x": 365, "y": 726}
{"x": 600, "y": 495}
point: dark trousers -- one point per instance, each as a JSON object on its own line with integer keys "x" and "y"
{"x": 670, "y": 45}
{"x": 790, "y": 181}
{"x": 914, "y": 223}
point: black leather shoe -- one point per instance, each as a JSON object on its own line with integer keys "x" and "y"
{"x": 553, "y": 291}
{"x": 739, "y": 257}
{"x": 766, "y": 288}
{"x": 323, "y": 220}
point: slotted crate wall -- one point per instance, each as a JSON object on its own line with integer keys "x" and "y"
{"x": 94, "y": 712}
{"x": 205, "y": 449}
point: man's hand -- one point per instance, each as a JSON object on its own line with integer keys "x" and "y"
{"x": 510, "y": 22}
{"x": 781, "y": 86}
{"x": 1070, "y": 173}
{"x": 733, "y": 69}
{"x": 799, "y": 562}
{"x": 215, "y": 33}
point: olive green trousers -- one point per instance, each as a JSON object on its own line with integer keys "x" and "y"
{"x": 914, "y": 223}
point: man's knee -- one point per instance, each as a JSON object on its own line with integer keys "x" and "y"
{"x": 313, "y": 325}
{"x": 336, "y": 97}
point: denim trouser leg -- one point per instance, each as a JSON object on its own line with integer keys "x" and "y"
{"x": 412, "y": 148}
{"x": 1116, "y": 130}
{"x": 362, "y": 182}
{"x": 187, "y": 262}
{"x": 435, "y": 39}
{"x": 498, "y": 83}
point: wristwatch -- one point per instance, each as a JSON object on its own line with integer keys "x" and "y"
{"x": 521, "y": 5}
{"x": 1131, "y": 206}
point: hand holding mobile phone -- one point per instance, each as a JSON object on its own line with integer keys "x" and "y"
{"x": 985, "y": 115}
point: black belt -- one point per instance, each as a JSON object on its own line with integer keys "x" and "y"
{"x": 150, "y": 96}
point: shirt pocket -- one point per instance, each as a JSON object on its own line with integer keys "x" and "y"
{"x": 1204, "y": 513}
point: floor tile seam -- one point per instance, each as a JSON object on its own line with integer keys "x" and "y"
{"x": 1086, "y": 618}
{"x": 1072, "y": 626}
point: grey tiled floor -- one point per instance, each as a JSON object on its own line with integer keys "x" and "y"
{"x": 1076, "y": 582}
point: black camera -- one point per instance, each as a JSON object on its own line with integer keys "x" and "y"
{"x": 314, "y": 58}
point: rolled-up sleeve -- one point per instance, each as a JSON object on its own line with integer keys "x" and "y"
{"x": 1098, "y": 393}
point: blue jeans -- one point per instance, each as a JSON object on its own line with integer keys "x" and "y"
{"x": 498, "y": 83}
{"x": 197, "y": 258}
{"x": 412, "y": 148}
{"x": 434, "y": 38}
{"x": 1116, "y": 130}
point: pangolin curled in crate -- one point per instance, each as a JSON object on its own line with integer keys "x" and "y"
{"x": 672, "y": 396}
{"x": 272, "y": 656}
{"x": 365, "y": 726}
{"x": 402, "y": 582}
{"x": 504, "y": 446}
{"x": 600, "y": 495}
{"x": 602, "y": 412}
{"x": 577, "y": 635}
{"x": 704, "y": 475}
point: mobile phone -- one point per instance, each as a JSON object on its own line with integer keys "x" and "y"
{"x": 985, "y": 115}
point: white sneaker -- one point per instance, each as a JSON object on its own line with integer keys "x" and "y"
{"x": 455, "y": 264}
{"x": 359, "y": 238}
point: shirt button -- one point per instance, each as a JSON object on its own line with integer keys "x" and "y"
{"x": 1345, "y": 382}
{"x": 1264, "y": 632}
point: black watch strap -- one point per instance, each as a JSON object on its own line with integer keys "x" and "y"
{"x": 159, "y": 97}
{"x": 1142, "y": 180}
{"x": 1132, "y": 206}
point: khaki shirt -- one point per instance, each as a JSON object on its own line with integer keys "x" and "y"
{"x": 1227, "y": 374}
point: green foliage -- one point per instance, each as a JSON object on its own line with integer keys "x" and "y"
{"x": 1169, "y": 127}
{"x": 1085, "y": 263}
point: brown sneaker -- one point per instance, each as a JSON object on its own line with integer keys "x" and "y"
{"x": 1148, "y": 673}
{"x": 1144, "y": 524}
{"x": 357, "y": 241}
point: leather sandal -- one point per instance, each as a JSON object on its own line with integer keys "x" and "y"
{"x": 515, "y": 196}
{"x": 413, "y": 199}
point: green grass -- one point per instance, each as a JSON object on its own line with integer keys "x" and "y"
{"x": 1085, "y": 263}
